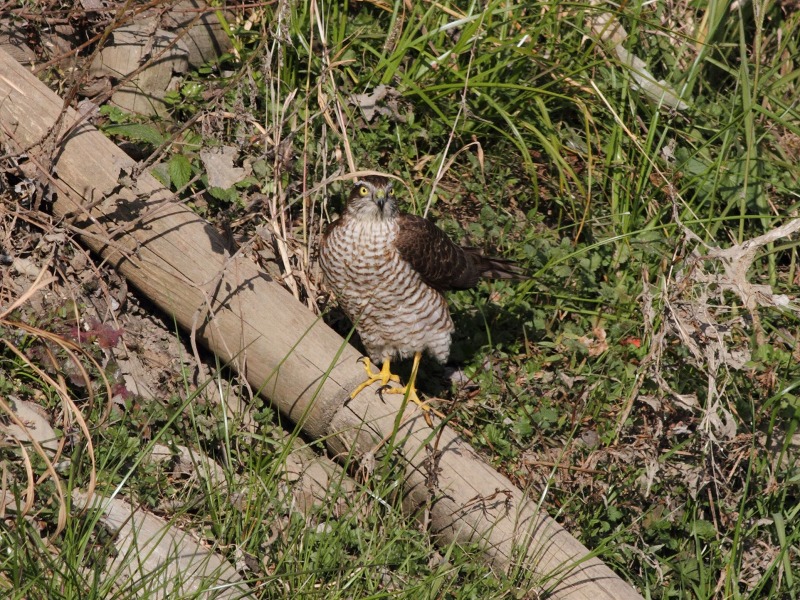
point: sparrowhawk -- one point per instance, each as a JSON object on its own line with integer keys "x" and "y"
{"x": 389, "y": 270}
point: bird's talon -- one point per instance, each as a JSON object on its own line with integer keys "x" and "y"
{"x": 380, "y": 391}
{"x": 426, "y": 414}
{"x": 384, "y": 376}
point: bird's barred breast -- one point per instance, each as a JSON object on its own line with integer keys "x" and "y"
{"x": 394, "y": 311}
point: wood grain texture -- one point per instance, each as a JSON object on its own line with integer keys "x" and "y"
{"x": 178, "y": 261}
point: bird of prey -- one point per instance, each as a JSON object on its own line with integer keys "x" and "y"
{"x": 389, "y": 270}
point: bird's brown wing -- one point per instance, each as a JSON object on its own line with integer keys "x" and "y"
{"x": 329, "y": 227}
{"x": 442, "y": 264}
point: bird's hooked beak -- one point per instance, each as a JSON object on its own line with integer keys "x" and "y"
{"x": 380, "y": 199}
{"x": 384, "y": 199}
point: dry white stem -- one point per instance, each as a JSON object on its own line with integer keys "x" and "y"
{"x": 699, "y": 315}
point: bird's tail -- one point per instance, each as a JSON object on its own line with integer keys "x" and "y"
{"x": 490, "y": 267}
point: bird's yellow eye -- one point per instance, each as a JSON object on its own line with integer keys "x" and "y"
{"x": 363, "y": 191}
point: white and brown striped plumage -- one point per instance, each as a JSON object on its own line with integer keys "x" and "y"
{"x": 388, "y": 271}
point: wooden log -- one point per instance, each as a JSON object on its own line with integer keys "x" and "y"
{"x": 157, "y": 560}
{"x": 179, "y": 262}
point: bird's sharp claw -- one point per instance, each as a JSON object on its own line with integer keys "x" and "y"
{"x": 384, "y": 376}
{"x": 424, "y": 406}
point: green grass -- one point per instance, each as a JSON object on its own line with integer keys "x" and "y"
{"x": 522, "y": 132}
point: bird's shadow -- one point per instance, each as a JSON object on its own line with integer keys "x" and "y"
{"x": 482, "y": 326}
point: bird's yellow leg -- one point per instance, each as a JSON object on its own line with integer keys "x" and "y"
{"x": 410, "y": 391}
{"x": 385, "y": 375}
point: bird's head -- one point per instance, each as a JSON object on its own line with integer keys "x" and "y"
{"x": 372, "y": 199}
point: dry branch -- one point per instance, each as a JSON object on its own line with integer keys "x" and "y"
{"x": 180, "y": 263}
